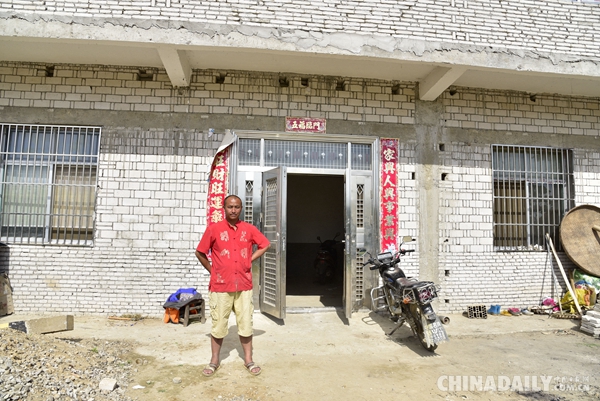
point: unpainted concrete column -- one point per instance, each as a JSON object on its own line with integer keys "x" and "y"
{"x": 428, "y": 117}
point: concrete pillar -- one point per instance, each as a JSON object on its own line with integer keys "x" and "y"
{"x": 428, "y": 116}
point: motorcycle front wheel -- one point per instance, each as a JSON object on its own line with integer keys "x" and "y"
{"x": 417, "y": 316}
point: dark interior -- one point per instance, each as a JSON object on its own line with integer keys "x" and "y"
{"x": 315, "y": 207}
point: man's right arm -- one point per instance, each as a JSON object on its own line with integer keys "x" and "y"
{"x": 203, "y": 259}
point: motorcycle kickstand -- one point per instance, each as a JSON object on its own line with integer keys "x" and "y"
{"x": 398, "y": 325}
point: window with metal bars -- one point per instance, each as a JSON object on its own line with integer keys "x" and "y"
{"x": 48, "y": 176}
{"x": 533, "y": 190}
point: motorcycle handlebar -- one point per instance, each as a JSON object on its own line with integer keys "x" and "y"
{"x": 376, "y": 263}
{"x": 373, "y": 262}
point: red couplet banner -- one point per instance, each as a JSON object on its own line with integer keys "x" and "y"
{"x": 389, "y": 194}
{"x": 217, "y": 187}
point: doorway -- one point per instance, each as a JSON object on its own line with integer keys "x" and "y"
{"x": 331, "y": 190}
{"x": 315, "y": 208}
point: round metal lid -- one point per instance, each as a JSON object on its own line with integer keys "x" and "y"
{"x": 580, "y": 237}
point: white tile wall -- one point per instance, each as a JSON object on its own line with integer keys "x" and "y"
{"x": 114, "y": 90}
{"x": 151, "y": 203}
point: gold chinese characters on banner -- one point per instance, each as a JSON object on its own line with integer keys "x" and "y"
{"x": 389, "y": 194}
{"x": 217, "y": 187}
{"x": 303, "y": 124}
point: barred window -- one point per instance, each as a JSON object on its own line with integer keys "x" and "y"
{"x": 49, "y": 176}
{"x": 533, "y": 190}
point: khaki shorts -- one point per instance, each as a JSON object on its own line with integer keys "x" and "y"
{"x": 222, "y": 303}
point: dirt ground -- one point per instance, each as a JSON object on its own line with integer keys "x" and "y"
{"x": 323, "y": 356}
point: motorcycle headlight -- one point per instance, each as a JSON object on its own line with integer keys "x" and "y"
{"x": 385, "y": 257}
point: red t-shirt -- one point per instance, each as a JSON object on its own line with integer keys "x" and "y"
{"x": 231, "y": 254}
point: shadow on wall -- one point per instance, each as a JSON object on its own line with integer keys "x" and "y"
{"x": 6, "y": 304}
{"x": 4, "y": 258}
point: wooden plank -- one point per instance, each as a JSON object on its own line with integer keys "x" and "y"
{"x": 562, "y": 270}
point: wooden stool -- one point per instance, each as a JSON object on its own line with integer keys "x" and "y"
{"x": 195, "y": 306}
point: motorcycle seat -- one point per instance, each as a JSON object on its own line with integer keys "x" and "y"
{"x": 408, "y": 283}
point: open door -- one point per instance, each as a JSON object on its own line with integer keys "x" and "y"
{"x": 359, "y": 229}
{"x": 272, "y": 272}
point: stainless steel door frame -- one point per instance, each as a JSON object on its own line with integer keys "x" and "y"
{"x": 360, "y": 226}
{"x": 249, "y": 187}
{"x": 359, "y": 235}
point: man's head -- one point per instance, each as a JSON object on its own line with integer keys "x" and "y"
{"x": 233, "y": 208}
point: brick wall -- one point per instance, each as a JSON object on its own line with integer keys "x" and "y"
{"x": 546, "y": 26}
{"x": 511, "y": 279}
{"x": 241, "y": 93}
{"x": 152, "y": 188}
{"x": 521, "y": 112}
{"x": 587, "y": 183}
{"x": 150, "y": 216}
{"x": 471, "y": 272}
{"x": 466, "y": 220}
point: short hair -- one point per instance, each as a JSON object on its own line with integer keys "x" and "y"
{"x": 231, "y": 196}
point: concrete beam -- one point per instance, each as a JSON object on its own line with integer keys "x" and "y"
{"x": 438, "y": 81}
{"x": 177, "y": 65}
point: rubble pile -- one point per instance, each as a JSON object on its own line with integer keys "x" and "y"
{"x": 590, "y": 322}
{"x": 43, "y": 368}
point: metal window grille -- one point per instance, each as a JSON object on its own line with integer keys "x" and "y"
{"x": 360, "y": 206}
{"x": 269, "y": 283}
{"x": 322, "y": 155}
{"x": 306, "y": 154}
{"x": 248, "y": 204}
{"x": 361, "y": 157}
{"x": 360, "y": 224}
{"x": 249, "y": 152}
{"x": 533, "y": 190}
{"x": 48, "y": 176}
{"x": 360, "y": 278}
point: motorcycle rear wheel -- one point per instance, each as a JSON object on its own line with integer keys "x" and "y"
{"x": 416, "y": 315}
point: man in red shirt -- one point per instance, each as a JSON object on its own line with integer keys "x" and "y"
{"x": 230, "y": 243}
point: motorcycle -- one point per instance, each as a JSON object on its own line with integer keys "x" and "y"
{"x": 325, "y": 262}
{"x": 407, "y": 299}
